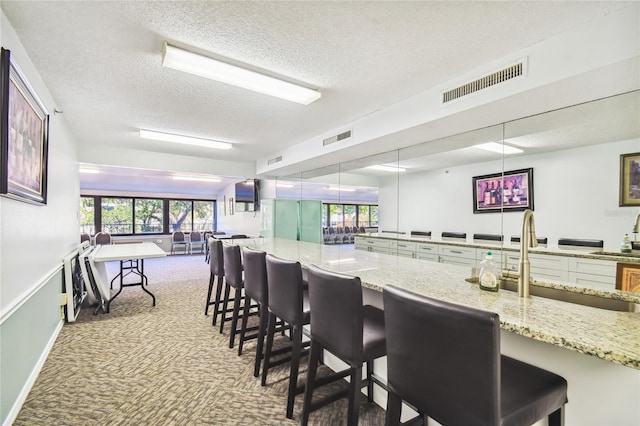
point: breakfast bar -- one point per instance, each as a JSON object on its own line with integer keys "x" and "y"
{"x": 596, "y": 350}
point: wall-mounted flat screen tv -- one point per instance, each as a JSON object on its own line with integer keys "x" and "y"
{"x": 248, "y": 191}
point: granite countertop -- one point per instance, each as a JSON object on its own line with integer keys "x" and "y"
{"x": 555, "y": 251}
{"x": 610, "y": 335}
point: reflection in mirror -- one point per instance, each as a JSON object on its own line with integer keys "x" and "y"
{"x": 436, "y": 191}
{"x": 575, "y": 155}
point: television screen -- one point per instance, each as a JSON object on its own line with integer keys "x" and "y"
{"x": 245, "y": 191}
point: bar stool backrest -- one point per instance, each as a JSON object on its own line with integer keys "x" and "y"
{"x": 217, "y": 258}
{"x": 336, "y": 313}
{"x": 233, "y": 266}
{"x": 284, "y": 280}
{"x": 431, "y": 343}
{"x": 255, "y": 274}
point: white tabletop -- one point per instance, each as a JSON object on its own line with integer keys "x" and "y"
{"x": 145, "y": 250}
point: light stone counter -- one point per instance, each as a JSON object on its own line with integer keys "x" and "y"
{"x": 609, "y": 335}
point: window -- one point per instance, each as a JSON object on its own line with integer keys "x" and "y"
{"x": 180, "y": 217}
{"x": 335, "y": 214}
{"x": 363, "y": 216}
{"x": 203, "y": 215}
{"x": 374, "y": 216}
{"x": 148, "y": 214}
{"x": 349, "y": 215}
{"x": 117, "y": 215}
{"x": 87, "y": 215}
{"x": 129, "y": 216}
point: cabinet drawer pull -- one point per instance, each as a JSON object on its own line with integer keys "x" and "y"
{"x": 456, "y": 251}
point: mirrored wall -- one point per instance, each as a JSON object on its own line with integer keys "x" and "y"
{"x": 563, "y": 164}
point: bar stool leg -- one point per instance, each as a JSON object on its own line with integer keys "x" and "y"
{"x": 262, "y": 329}
{"x": 243, "y": 326}
{"x": 394, "y": 409}
{"x": 225, "y": 306}
{"x": 354, "y": 396}
{"x": 267, "y": 352}
{"x": 218, "y": 301}
{"x": 314, "y": 358}
{"x": 370, "y": 381}
{"x": 212, "y": 280}
{"x": 295, "y": 364}
{"x": 234, "y": 318}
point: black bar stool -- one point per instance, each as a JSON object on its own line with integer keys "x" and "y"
{"x": 444, "y": 359}
{"x": 216, "y": 266}
{"x": 352, "y": 332}
{"x": 288, "y": 301}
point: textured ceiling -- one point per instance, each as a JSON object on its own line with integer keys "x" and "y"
{"x": 101, "y": 61}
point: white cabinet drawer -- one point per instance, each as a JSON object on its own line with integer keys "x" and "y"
{"x": 592, "y": 266}
{"x": 427, "y": 256}
{"x": 404, "y": 253}
{"x": 602, "y": 281}
{"x": 550, "y": 274}
{"x": 427, "y": 248}
{"x": 377, "y": 243}
{"x": 453, "y": 251}
{"x": 403, "y": 245}
{"x": 451, "y": 260}
{"x": 557, "y": 263}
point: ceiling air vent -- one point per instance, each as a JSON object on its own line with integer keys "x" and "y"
{"x": 337, "y": 138}
{"x": 482, "y": 83}
{"x": 275, "y": 160}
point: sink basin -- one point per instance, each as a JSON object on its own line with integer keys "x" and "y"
{"x": 569, "y": 296}
{"x": 634, "y": 253}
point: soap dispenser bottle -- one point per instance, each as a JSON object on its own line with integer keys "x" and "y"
{"x": 488, "y": 274}
{"x": 625, "y": 247}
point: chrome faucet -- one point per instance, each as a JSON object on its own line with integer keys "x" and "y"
{"x": 527, "y": 239}
{"x": 636, "y": 227}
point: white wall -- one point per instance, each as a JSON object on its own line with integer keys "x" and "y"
{"x": 575, "y": 195}
{"x": 34, "y": 239}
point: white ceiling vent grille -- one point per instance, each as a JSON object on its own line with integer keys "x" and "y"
{"x": 337, "y": 138}
{"x": 275, "y": 160}
{"x": 498, "y": 77}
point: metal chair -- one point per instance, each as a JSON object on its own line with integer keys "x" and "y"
{"x": 178, "y": 240}
{"x": 196, "y": 240}
{"x": 103, "y": 238}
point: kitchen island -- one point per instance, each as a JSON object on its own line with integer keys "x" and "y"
{"x": 596, "y": 350}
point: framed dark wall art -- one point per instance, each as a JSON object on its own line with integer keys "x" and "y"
{"x": 24, "y": 138}
{"x": 508, "y": 191}
{"x": 630, "y": 179}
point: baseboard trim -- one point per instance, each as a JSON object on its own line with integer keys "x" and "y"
{"x": 17, "y": 405}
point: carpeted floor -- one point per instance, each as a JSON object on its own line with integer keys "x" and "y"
{"x": 164, "y": 365}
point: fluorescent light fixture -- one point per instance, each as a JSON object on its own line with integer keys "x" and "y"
{"x": 284, "y": 185}
{"x": 203, "y": 66}
{"x": 186, "y": 140}
{"x": 88, "y": 171}
{"x": 196, "y": 179}
{"x": 337, "y": 188}
{"x": 499, "y": 148}
{"x": 385, "y": 168}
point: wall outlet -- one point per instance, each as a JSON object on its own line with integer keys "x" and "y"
{"x": 63, "y": 299}
{"x": 159, "y": 241}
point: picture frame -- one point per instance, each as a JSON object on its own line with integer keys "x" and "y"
{"x": 628, "y": 277}
{"x": 510, "y": 191}
{"x": 24, "y": 140}
{"x": 630, "y": 180}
